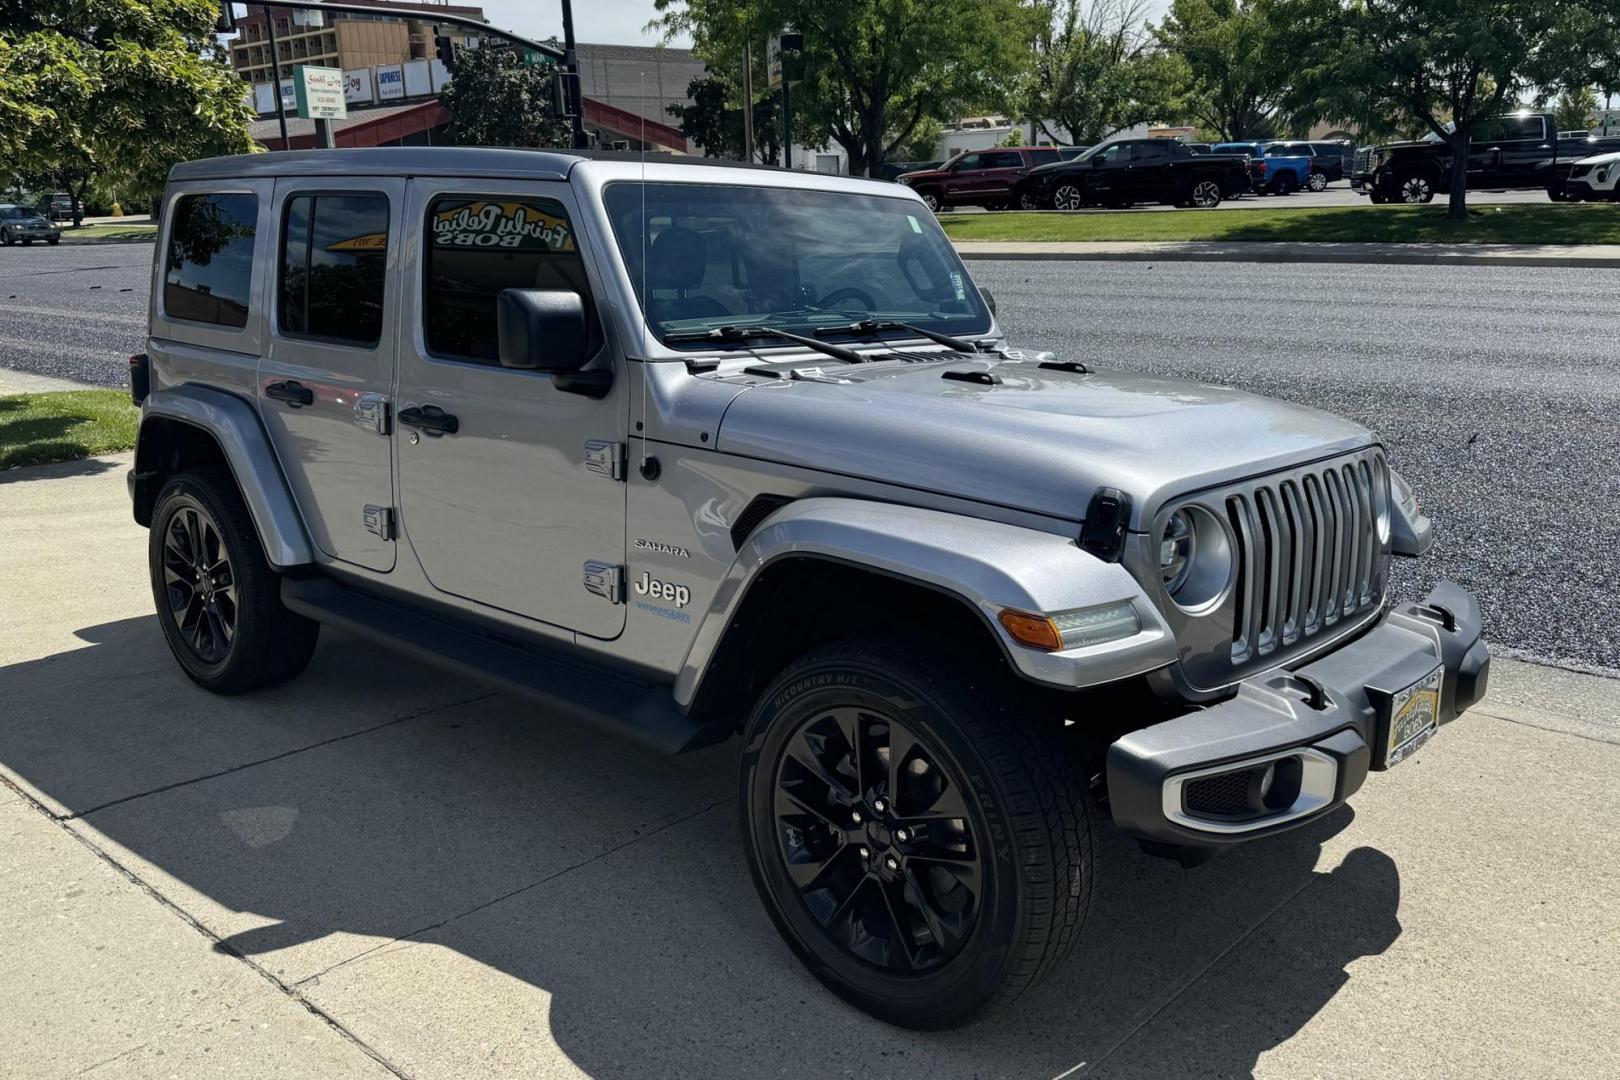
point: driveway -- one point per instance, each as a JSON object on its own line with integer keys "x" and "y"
{"x": 382, "y": 870}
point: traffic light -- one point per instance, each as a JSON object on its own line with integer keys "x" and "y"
{"x": 444, "y": 47}
{"x": 226, "y": 23}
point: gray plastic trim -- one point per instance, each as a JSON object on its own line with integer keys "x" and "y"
{"x": 1318, "y": 777}
{"x": 234, "y": 424}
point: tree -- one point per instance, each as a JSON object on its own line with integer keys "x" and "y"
{"x": 873, "y": 69}
{"x": 117, "y": 91}
{"x": 1230, "y": 87}
{"x": 1096, "y": 70}
{"x": 1575, "y": 108}
{"x": 714, "y": 123}
{"x": 495, "y": 99}
{"x": 1446, "y": 64}
{"x": 923, "y": 143}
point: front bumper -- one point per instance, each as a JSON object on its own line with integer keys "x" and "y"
{"x": 1320, "y": 727}
{"x": 34, "y": 232}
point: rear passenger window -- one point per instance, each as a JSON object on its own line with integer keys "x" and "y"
{"x": 209, "y": 265}
{"x": 334, "y": 253}
{"x": 479, "y": 246}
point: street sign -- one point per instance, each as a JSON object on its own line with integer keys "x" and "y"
{"x": 319, "y": 92}
{"x": 782, "y": 55}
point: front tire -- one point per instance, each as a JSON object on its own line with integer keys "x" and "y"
{"x": 1069, "y": 197}
{"x": 1317, "y": 182}
{"x": 217, "y": 599}
{"x": 931, "y": 200}
{"x": 1415, "y": 188}
{"x": 923, "y": 848}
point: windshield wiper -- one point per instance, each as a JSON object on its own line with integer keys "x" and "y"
{"x": 743, "y": 333}
{"x": 872, "y": 327}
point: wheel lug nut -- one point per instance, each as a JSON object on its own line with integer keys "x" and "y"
{"x": 892, "y": 863}
{"x": 880, "y": 806}
{"x": 902, "y": 835}
{"x": 864, "y": 852}
{"x": 855, "y": 817}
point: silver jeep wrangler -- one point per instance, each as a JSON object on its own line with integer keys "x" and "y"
{"x": 690, "y": 451}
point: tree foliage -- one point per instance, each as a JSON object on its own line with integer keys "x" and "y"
{"x": 1387, "y": 63}
{"x": 1096, "y": 69}
{"x": 1230, "y": 83}
{"x": 495, "y": 99}
{"x": 114, "y": 90}
{"x": 715, "y": 123}
{"x": 873, "y": 69}
{"x": 1575, "y": 109}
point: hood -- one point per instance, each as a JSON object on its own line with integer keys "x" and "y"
{"x": 1039, "y": 440}
{"x": 1055, "y": 167}
{"x": 1607, "y": 158}
{"x": 922, "y": 174}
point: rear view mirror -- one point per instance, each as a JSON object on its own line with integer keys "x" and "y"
{"x": 540, "y": 329}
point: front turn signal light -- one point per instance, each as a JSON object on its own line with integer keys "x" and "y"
{"x": 1072, "y": 629}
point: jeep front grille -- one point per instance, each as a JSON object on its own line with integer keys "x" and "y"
{"x": 1309, "y": 554}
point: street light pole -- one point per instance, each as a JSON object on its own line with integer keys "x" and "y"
{"x": 275, "y": 75}
{"x": 571, "y": 66}
{"x": 748, "y": 102}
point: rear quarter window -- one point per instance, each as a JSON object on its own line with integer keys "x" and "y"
{"x": 208, "y": 267}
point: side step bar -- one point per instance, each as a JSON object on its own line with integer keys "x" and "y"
{"x": 645, "y": 712}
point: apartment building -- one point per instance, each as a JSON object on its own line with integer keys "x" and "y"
{"x": 399, "y": 31}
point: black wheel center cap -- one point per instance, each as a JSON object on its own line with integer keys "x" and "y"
{"x": 878, "y": 833}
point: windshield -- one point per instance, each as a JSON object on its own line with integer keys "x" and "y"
{"x": 11, "y": 213}
{"x": 736, "y": 255}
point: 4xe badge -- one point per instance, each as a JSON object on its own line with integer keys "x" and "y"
{"x": 668, "y": 591}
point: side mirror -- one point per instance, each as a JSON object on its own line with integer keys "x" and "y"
{"x": 547, "y": 330}
{"x": 540, "y": 329}
{"x": 989, "y": 299}
{"x": 1097, "y": 162}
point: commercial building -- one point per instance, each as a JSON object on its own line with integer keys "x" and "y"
{"x": 400, "y": 31}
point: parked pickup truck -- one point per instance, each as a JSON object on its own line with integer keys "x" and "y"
{"x": 1517, "y": 151}
{"x": 1275, "y": 170}
{"x": 979, "y": 177}
{"x": 1131, "y": 171}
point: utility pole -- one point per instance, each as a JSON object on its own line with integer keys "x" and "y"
{"x": 275, "y": 75}
{"x": 571, "y": 66}
{"x": 748, "y": 102}
{"x": 787, "y": 124}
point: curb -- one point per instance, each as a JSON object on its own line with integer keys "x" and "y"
{"x": 1598, "y": 257}
{"x": 92, "y": 241}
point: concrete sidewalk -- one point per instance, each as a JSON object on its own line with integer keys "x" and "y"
{"x": 381, "y": 870}
{"x": 1605, "y": 256}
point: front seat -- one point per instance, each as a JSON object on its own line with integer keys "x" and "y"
{"x": 676, "y": 263}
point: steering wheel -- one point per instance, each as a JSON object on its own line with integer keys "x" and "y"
{"x": 840, "y": 298}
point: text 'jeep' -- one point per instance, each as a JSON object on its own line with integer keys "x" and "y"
{"x": 692, "y": 451}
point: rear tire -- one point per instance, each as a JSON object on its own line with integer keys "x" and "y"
{"x": 217, "y": 599}
{"x": 967, "y": 873}
{"x": 1205, "y": 194}
{"x": 1285, "y": 184}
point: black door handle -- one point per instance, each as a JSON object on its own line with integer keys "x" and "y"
{"x": 431, "y": 419}
{"x": 293, "y": 393}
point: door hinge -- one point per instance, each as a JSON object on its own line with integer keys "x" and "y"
{"x": 379, "y": 520}
{"x": 606, "y": 458}
{"x": 371, "y": 411}
{"x": 605, "y": 580}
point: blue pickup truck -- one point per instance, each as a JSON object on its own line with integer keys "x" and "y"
{"x": 1280, "y": 173}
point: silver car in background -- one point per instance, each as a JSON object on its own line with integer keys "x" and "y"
{"x": 24, "y": 225}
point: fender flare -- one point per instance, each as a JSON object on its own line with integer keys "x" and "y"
{"x": 987, "y": 565}
{"x": 234, "y": 425}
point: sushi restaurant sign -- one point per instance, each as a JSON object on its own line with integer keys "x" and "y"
{"x": 319, "y": 92}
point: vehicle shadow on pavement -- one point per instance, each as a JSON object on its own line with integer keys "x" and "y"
{"x": 359, "y": 831}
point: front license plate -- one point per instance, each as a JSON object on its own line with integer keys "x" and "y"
{"x": 1414, "y": 716}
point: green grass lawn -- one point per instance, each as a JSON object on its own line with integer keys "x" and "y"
{"x": 1554, "y": 223}
{"x": 135, "y": 231}
{"x": 36, "y": 429}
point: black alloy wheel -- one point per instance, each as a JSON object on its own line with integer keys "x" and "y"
{"x": 921, "y": 844}
{"x": 199, "y": 584}
{"x": 877, "y": 836}
{"x": 218, "y": 600}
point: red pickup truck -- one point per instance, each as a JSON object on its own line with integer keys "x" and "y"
{"x": 979, "y": 177}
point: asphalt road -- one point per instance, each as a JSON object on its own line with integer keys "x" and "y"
{"x": 1497, "y": 390}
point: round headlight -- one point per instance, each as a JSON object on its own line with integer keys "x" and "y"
{"x": 1195, "y": 558}
{"x": 1176, "y": 549}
